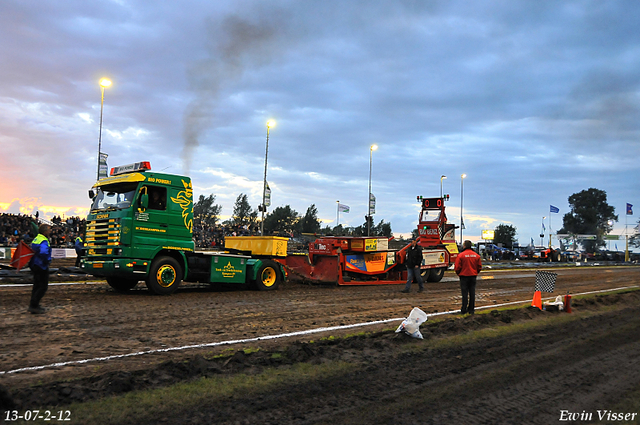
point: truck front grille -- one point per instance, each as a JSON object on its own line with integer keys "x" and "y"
{"x": 102, "y": 236}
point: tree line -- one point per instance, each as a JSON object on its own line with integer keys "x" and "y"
{"x": 281, "y": 220}
{"x": 590, "y": 214}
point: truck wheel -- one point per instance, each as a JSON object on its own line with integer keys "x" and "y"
{"x": 436, "y": 274}
{"x": 268, "y": 277}
{"x": 165, "y": 276}
{"x": 121, "y": 284}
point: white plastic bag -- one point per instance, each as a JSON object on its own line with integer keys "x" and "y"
{"x": 558, "y": 303}
{"x": 411, "y": 325}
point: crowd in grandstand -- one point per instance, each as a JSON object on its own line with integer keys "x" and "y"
{"x": 206, "y": 236}
{"x": 17, "y": 227}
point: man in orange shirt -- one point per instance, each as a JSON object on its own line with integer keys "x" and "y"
{"x": 468, "y": 265}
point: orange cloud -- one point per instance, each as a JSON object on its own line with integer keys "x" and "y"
{"x": 30, "y": 205}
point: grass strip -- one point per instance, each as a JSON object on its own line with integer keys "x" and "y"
{"x": 143, "y": 406}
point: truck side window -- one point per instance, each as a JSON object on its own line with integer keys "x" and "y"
{"x": 157, "y": 198}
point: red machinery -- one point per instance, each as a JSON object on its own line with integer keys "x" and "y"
{"x": 369, "y": 261}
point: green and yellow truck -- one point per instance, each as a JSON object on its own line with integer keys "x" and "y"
{"x": 140, "y": 228}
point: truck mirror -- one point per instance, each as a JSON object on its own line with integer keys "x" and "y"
{"x": 92, "y": 194}
{"x": 144, "y": 201}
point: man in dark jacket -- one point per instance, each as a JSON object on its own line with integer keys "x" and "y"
{"x": 413, "y": 262}
{"x": 40, "y": 267}
{"x": 468, "y": 265}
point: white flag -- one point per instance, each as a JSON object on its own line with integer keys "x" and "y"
{"x": 343, "y": 208}
{"x": 103, "y": 169}
{"x": 267, "y": 196}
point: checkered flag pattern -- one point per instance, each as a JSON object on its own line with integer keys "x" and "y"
{"x": 545, "y": 281}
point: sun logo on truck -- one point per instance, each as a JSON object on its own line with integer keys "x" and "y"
{"x": 184, "y": 199}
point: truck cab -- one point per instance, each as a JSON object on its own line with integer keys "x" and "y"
{"x": 436, "y": 237}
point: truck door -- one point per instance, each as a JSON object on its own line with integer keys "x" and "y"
{"x": 151, "y": 223}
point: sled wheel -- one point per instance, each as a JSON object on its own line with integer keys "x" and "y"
{"x": 165, "y": 276}
{"x": 268, "y": 277}
{"x": 436, "y": 274}
{"x": 122, "y": 284}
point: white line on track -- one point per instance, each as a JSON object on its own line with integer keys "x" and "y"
{"x": 269, "y": 337}
{"x": 9, "y": 285}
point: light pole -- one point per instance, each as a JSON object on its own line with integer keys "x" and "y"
{"x": 270, "y": 124}
{"x": 337, "y": 213}
{"x": 371, "y": 149}
{"x": 104, "y": 83}
{"x": 542, "y": 232}
{"x": 462, "y": 177}
{"x": 441, "y": 178}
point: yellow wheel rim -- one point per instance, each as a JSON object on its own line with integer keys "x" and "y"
{"x": 269, "y": 276}
{"x": 166, "y": 275}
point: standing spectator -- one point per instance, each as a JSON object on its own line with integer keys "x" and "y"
{"x": 40, "y": 267}
{"x": 413, "y": 262}
{"x": 468, "y": 265}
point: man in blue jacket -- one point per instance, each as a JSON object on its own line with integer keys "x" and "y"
{"x": 79, "y": 246}
{"x": 40, "y": 267}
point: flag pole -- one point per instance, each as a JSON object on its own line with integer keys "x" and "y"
{"x": 549, "y": 229}
{"x": 626, "y": 236}
{"x": 337, "y": 213}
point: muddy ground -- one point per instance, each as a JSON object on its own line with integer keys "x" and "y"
{"x": 523, "y": 377}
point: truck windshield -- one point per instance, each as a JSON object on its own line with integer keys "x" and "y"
{"x": 116, "y": 196}
{"x": 435, "y": 215}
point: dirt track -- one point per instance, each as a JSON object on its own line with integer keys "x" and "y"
{"x": 523, "y": 371}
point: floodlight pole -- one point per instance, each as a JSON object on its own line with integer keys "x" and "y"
{"x": 270, "y": 124}
{"x": 103, "y": 83}
{"x": 461, "y": 204}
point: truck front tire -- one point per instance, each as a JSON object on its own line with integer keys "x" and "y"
{"x": 165, "y": 276}
{"x": 268, "y": 277}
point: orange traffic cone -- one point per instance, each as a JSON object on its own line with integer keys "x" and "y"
{"x": 537, "y": 300}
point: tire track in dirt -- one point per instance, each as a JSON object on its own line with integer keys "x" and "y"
{"x": 505, "y": 379}
{"x": 86, "y": 321}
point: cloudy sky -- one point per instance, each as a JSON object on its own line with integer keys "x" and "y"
{"x": 533, "y": 100}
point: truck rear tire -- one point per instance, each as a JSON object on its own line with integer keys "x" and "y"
{"x": 122, "y": 284}
{"x": 435, "y": 275}
{"x": 165, "y": 276}
{"x": 268, "y": 277}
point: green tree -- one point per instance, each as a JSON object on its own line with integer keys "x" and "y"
{"x": 338, "y": 230}
{"x": 281, "y": 220}
{"x": 505, "y": 234}
{"x": 634, "y": 240}
{"x": 590, "y": 215}
{"x": 309, "y": 223}
{"x": 242, "y": 213}
{"x": 368, "y": 228}
{"x": 206, "y": 211}
{"x": 382, "y": 229}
